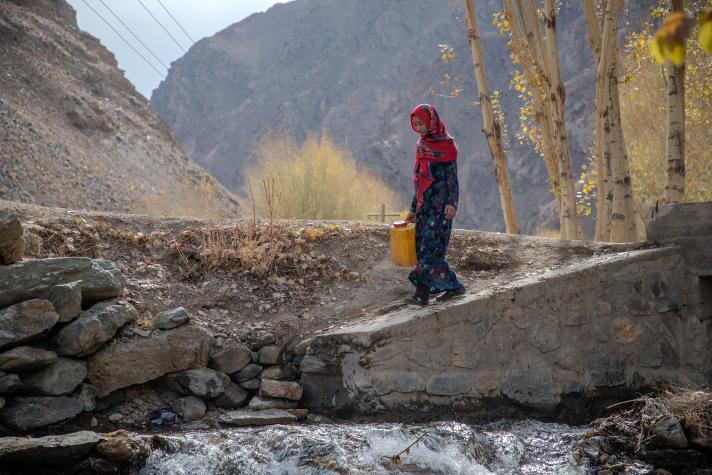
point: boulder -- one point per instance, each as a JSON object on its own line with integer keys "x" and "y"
{"x": 312, "y": 364}
{"x": 26, "y": 358}
{"x": 667, "y": 433}
{"x": 100, "y": 280}
{"x": 12, "y": 246}
{"x": 26, "y": 413}
{"x": 270, "y": 355}
{"x": 143, "y": 359}
{"x": 189, "y": 408}
{"x": 110, "y": 400}
{"x": 248, "y": 372}
{"x": 9, "y": 383}
{"x": 122, "y": 446}
{"x": 258, "y": 403}
{"x": 202, "y": 382}
{"x": 280, "y": 389}
{"x": 62, "y": 377}
{"x": 24, "y": 321}
{"x": 170, "y": 319}
{"x": 262, "y": 340}
{"x": 233, "y": 397}
{"x": 93, "y": 328}
{"x": 49, "y": 450}
{"x": 231, "y": 359}
{"x": 246, "y": 417}
{"x": 67, "y": 300}
{"x": 251, "y": 384}
{"x": 286, "y": 372}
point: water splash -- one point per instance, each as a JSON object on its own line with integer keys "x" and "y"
{"x": 526, "y": 447}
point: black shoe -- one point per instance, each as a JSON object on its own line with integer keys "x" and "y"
{"x": 421, "y": 296}
{"x": 417, "y": 300}
{"x": 451, "y": 294}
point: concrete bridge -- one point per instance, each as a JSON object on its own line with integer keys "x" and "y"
{"x": 612, "y": 323}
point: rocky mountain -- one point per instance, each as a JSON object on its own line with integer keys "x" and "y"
{"x": 354, "y": 69}
{"x": 75, "y": 133}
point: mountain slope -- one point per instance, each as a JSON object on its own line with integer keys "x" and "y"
{"x": 354, "y": 69}
{"x": 75, "y": 133}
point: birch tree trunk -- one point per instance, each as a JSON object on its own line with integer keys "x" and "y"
{"x": 675, "y": 146}
{"x": 569, "y": 221}
{"x": 491, "y": 126}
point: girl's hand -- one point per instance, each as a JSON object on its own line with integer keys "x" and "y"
{"x": 410, "y": 218}
{"x": 450, "y": 211}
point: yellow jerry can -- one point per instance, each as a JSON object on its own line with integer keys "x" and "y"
{"x": 403, "y": 244}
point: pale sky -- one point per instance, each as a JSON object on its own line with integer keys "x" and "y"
{"x": 199, "y": 19}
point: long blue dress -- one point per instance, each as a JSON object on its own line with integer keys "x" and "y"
{"x": 432, "y": 230}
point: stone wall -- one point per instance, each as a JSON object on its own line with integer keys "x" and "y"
{"x": 630, "y": 320}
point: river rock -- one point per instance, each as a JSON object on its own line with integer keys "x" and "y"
{"x": 25, "y": 413}
{"x": 202, "y": 382}
{"x": 26, "y": 358}
{"x": 262, "y": 340}
{"x": 246, "y": 417}
{"x": 231, "y": 359}
{"x": 24, "y": 321}
{"x": 170, "y": 319}
{"x": 248, "y": 372}
{"x": 667, "y": 433}
{"x": 100, "y": 280}
{"x": 67, "y": 300}
{"x": 9, "y": 383}
{"x": 301, "y": 348}
{"x": 280, "y": 390}
{"x": 123, "y": 446}
{"x": 189, "y": 408}
{"x": 251, "y": 384}
{"x": 233, "y": 397}
{"x": 88, "y": 395}
{"x": 49, "y": 450}
{"x": 62, "y": 377}
{"x": 143, "y": 359}
{"x": 93, "y": 328}
{"x": 258, "y": 403}
{"x": 312, "y": 364}
{"x": 12, "y": 246}
{"x": 286, "y": 372}
{"x": 270, "y": 355}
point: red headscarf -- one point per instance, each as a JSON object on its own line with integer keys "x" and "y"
{"x": 435, "y": 146}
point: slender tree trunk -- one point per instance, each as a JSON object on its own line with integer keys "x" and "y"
{"x": 675, "y": 146}
{"x": 533, "y": 75}
{"x": 492, "y": 128}
{"x": 569, "y": 223}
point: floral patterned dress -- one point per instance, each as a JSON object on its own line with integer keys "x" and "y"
{"x": 432, "y": 230}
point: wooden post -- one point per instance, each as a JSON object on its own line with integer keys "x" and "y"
{"x": 491, "y": 126}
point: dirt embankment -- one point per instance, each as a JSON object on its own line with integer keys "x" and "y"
{"x": 292, "y": 278}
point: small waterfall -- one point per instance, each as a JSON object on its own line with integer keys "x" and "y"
{"x": 524, "y": 447}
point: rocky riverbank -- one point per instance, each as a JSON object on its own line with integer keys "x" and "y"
{"x": 668, "y": 432}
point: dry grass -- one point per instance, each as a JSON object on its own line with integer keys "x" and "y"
{"x": 200, "y": 200}
{"x": 692, "y": 407}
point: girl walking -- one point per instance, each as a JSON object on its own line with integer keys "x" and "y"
{"x": 434, "y": 206}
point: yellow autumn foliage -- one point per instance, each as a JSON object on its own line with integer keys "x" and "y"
{"x": 314, "y": 180}
{"x": 643, "y": 110}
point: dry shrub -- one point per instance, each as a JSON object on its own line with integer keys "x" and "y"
{"x": 265, "y": 250}
{"x": 314, "y": 180}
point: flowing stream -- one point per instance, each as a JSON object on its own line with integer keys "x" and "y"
{"x": 523, "y": 447}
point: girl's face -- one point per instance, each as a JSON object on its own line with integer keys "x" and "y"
{"x": 419, "y": 126}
